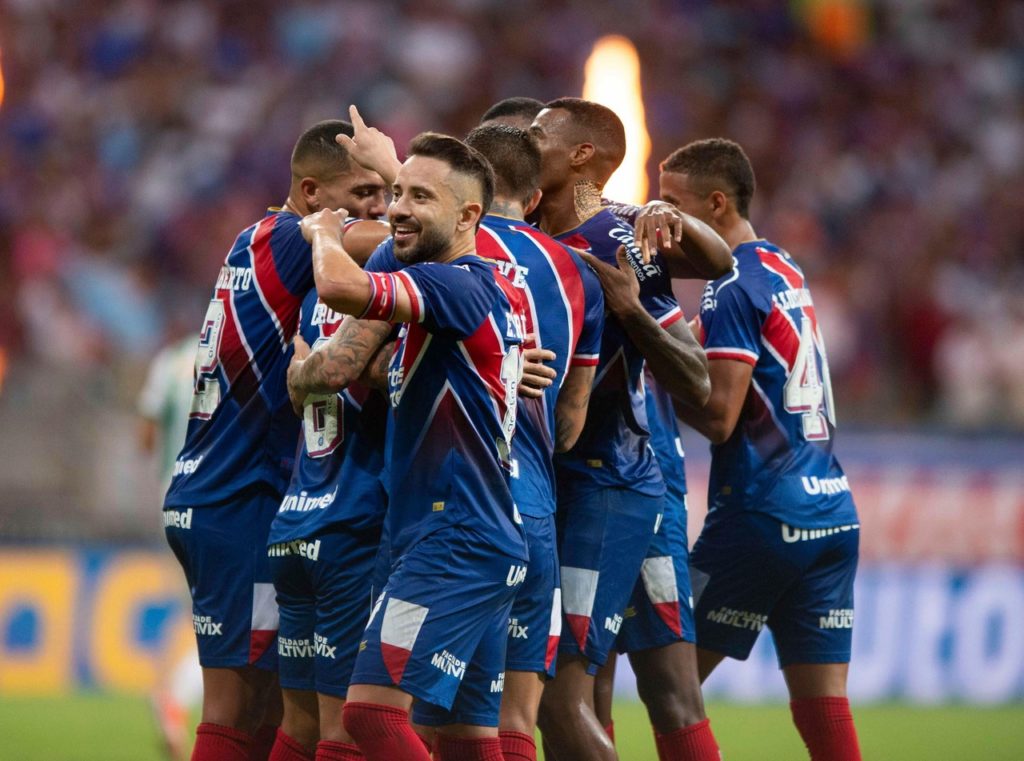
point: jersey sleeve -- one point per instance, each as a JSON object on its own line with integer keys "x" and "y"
{"x": 383, "y": 258}
{"x": 730, "y": 324}
{"x": 291, "y": 254}
{"x": 588, "y": 347}
{"x": 445, "y": 298}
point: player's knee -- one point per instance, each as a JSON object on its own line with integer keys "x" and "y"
{"x": 671, "y": 705}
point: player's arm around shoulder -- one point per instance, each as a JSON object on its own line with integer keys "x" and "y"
{"x": 690, "y": 248}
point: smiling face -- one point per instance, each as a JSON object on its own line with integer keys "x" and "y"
{"x": 425, "y": 211}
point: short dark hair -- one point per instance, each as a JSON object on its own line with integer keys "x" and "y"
{"x": 527, "y": 108}
{"x": 460, "y": 157}
{"x": 513, "y": 155}
{"x": 596, "y": 124}
{"x": 716, "y": 164}
{"x": 316, "y": 152}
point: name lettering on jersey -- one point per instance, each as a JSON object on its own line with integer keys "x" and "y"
{"x": 516, "y": 273}
{"x": 206, "y": 626}
{"x": 516, "y": 575}
{"x": 517, "y": 630}
{"x": 448, "y": 664}
{"x": 794, "y": 298}
{"x": 324, "y": 315}
{"x": 322, "y": 648}
{"x": 303, "y": 503}
{"x": 516, "y": 325}
{"x": 187, "y": 467}
{"x": 791, "y": 534}
{"x": 840, "y": 618}
{"x": 294, "y": 648}
{"x": 613, "y": 624}
{"x": 741, "y": 619}
{"x": 234, "y": 278}
{"x": 300, "y": 547}
{"x": 498, "y": 685}
{"x": 814, "y": 485}
{"x": 178, "y": 518}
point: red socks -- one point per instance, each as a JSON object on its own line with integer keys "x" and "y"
{"x": 263, "y": 743}
{"x": 469, "y": 748}
{"x": 288, "y": 749}
{"x": 692, "y": 743}
{"x": 517, "y": 746}
{"x": 826, "y": 726}
{"x": 218, "y": 743}
{"x": 328, "y": 750}
{"x": 383, "y": 733}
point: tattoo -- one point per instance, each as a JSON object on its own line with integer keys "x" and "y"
{"x": 587, "y": 199}
{"x": 342, "y": 359}
{"x": 376, "y": 373}
{"x": 504, "y": 209}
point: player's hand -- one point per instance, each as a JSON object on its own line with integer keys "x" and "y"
{"x": 621, "y": 288}
{"x": 370, "y": 148}
{"x": 658, "y": 224}
{"x": 296, "y": 395}
{"x": 325, "y": 220}
{"x": 536, "y": 375}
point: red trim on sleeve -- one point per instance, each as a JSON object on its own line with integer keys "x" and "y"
{"x": 726, "y": 354}
{"x": 381, "y": 305}
{"x": 415, "y": 299}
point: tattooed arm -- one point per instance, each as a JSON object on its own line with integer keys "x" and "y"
{"x": 338, "y": 362}
{"x": 571, "y": 407}
{"x": 376, "y": 373}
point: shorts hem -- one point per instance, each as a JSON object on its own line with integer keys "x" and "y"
{"x": 532, "y": 667}
{"x": 656, "y": 642}
{"x": 462, "y": 717}
{"x": 229, "y": 662}
{"x": 815, "y": 659}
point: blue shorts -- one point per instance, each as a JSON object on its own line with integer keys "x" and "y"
{"x": 223, "y": 551}
{"x": 536, "y": 618}
{"x": 439, "y": 630}
{"x": 323, "y": 594}
{"x": 603, "y": 537}
{"x": 660, "y": 611}
{"x": 750, "y": 571}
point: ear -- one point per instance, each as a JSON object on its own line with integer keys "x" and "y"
{"x": 532, "y": 202}
{"x": 310, "y": 189}
{"x": 469, "y": 216}
{"x": 720, "y": 204}
{"x": 581, "y": 154}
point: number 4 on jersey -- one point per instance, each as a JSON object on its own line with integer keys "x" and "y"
{"x": 808, "y": 390}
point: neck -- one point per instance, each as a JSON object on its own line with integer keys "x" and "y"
{"x": 464, "y": 245}
{"x": 504, "y": 207}
{"x": 740, "y": 231}
{"x": 569, "y": 206}
{"x": 295, "y": 207}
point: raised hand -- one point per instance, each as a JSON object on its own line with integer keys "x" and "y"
{"x": 370, "y": 148}
{"x": 325, "y": 220}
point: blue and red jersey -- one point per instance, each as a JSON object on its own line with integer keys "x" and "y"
{"x": 453, "y": 384}
{"x": 565, "y": 311}
{"x": 241, "y": 429}
{"x": 614, "y": 448}
{"x": 668, "y": 446}
{"x": 341, "y": 455}
{"x": 779, "y": 459}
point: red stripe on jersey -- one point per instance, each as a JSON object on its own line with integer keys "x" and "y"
{"x": 490, "y": 246}
{"x": 720, "y": 354}
{"x": 415, "y": 298}
{"x": 233, "y": 356}
{"x": 485, "y": 351}
{"x": 284, "y": 304}
{"x": 673, "y": 316}
{"x": 779, "y": 334}
{"x": 585, "y": 360}
{"x": 569, "y": 277}
{"x": 781, "y": 266}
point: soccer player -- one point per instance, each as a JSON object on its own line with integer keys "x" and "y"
{"x": 438, "y": 632}
{"x": 240, "y": 446}
{"x": 780, "y": 543}
{"x": 566, "y": 315}
{"x": 513, "y": 112}
{"x": 611, "y": 491}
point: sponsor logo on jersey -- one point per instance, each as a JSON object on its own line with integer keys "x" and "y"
{"x": 294, "y": 648}
{"x": 300, "y": 547}
{"x": 234, "y": 278}
{"x": 839, "y": 618}
{"x": 324, "y": 315}
{"x": 625, "y": 236}
{"x": 741, "y": 619}
{"x": 448, "y": 664}
{"x": 178, "y": 518}
{"x": 517, "y": 630}
{"x": 708, "y": 302}
{"x": 516, "y": 575}
{"x": 303, "y": 503}
{"x": 498, "y": 685}
{"x": 206, "y": 626}
{"x": 613, "y": 624}
{"x": 187, "y": 467}
{"x": 814, "y": 485}
{"x": 791, "y": 535}
{"x": 322, "y": 648}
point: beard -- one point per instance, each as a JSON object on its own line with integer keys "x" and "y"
{"x": 430, "y": 244}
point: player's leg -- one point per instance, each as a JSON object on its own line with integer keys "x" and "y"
{"x": 658, "y": 633}
{"x": 342, "y": 580}
{"x": 603, "y": 537}
{"x": 223, "y": 553}
{"x": 604, "y": 694}
{"x": 812, "y": 626}
{"x": 300, "y": 726}
{"x": 534, "y": 625}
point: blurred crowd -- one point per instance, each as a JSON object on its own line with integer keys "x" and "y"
{"x": 137, "y": 137}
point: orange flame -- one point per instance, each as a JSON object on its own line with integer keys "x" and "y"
{"x": 1, "y": 78}
{"x": 612, "y": 78}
